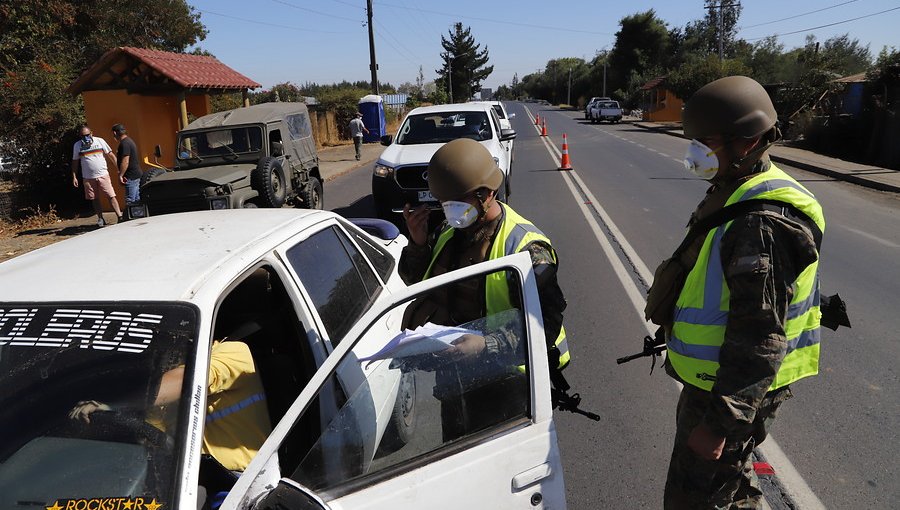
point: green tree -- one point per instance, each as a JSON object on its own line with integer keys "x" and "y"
{"x": 282, "y": 92}
{"x": 46, "y": 44}
{"x": 846, "y": 56}
{"x": 699, "y": 71}
{"x": 642, "y": 43}
{"x": 464, "y": 64}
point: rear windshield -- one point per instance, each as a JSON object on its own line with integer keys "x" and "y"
{"x": 79, "y": 410}
{"x": 609, "y": 104}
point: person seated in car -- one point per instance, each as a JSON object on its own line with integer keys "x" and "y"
{"x": 237, "y": 421}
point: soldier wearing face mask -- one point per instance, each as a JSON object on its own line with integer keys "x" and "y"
{"x": 463, "y": 176}
{"x": 739, "y": 300}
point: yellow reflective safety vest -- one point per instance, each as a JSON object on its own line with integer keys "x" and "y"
{"x": 701, "y": 310}
{"x": 515, "y": 234}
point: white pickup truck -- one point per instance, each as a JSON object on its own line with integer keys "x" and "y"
{"x": 605, "y": 110}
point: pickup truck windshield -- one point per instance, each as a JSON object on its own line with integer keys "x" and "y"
{"x": 443, "y": 127}
{"x": 78, "y": 403}
{"x": 219, "y": 143}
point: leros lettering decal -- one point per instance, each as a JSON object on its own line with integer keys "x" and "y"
{"x": 90, "y": 329}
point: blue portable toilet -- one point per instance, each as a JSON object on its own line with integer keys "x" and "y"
{"x": 372, "y": 109}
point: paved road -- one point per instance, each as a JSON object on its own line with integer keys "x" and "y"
{"x": 839, "y": 432}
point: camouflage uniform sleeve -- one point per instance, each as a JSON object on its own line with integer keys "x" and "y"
{"x": 761, "y": 254}
{"x": 414, "y": 259}
{"x": 553, "y": 303}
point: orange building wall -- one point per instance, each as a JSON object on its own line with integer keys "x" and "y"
{"x": 665, "y": 106}
{"x": 150, "y": 120}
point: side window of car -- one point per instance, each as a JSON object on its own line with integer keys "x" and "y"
{"x": 298, "y": 126}
{"x": 378, "y": 256}
{"x": 416, "y": 395}
{"x": 495, "y": 121}
{"x": 337, "y": 278}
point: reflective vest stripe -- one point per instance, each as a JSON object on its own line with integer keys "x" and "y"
{"x": 701, "y": 312}
{"x": 514, "y": 235}
{"x": 243, "y": 404}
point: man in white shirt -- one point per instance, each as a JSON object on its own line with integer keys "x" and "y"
{"x": 357, "y": 128}
{"x": 92, "y": 152}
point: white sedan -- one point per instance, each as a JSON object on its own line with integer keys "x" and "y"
{"x": 318, "y": 301}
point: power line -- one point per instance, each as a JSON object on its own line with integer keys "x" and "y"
{"x": 298, "y": 29}
{"x": 488, "y": 20}
{"x": 798, "y": 15}
{"x": 407, "y": 50}
{"x": 829, "y": 24}
{"x": 320, "y": 13}
{"x": 385, "y": 39}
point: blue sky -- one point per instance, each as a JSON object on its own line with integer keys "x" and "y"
{"x": 325, "y": 41}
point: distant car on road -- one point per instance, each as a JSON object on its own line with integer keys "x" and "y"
{"x": 400, "y": 175}
{"x": 605, "y": 110}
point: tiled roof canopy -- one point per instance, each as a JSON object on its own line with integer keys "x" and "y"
{"x": 149, "y": 71}
{"x": 654, "y": 83}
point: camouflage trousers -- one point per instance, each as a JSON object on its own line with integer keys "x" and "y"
{"x": 729, "y": 482}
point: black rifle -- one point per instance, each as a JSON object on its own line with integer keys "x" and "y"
{"x": 653, "y": 347}
{"x": 559, "y": 394}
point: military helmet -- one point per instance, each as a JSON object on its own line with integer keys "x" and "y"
{"x": 461, "y": 167}
{"x": 733, "y": 107}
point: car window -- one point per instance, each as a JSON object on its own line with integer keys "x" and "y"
{"x": 418, "y": 398}
{"x": 378, "y": 256}
{"x": 298, "y": 126}
{"x": 496, "y": 122}
{"x": 442, "y": 127}
{"x": 499, "y": 110}
{"x": 334, "y": 273}
{"x": 220, "y": 142}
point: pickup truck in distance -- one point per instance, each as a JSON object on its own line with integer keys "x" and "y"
{"x": 605, "y": 110}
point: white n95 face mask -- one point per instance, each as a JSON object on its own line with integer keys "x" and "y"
{"x": 701, "y": 161}
{"x": 459, "y": 214}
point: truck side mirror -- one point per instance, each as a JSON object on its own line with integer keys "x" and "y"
{"x": 507, "y": 134}
{"x": 157, "y": 151}
{"x": 386, "y": 140}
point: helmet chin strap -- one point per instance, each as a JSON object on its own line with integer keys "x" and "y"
{"x": 737, "y": 163}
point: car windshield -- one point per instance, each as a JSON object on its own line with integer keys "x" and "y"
{"x": 78, "y": 405}
{"x": 443, "y": 127}
{"x": 219, "y": 143}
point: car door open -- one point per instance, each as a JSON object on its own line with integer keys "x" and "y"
{"x": 476, "y": 432}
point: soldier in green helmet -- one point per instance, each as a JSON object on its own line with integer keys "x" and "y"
{"x": 464, "y": 177}
{"x": 739, "y": 300}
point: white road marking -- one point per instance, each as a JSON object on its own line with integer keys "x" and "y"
{"x": 873, "y": 237}
{"x": 792, "y": 481}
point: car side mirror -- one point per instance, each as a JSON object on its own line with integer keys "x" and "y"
{"x": 511, "y": 115}
{"x": 386, "y": 140}
{"x": 290, "y": 494}
{"x": 277, "y": 149}
{"x": 157, "y": 151}
{"x": 507, "y": 134}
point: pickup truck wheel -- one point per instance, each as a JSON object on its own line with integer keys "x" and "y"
{"x": 313, "y": 196}
{"x": 150, "y": 174}
{"x": 402, "y": 425}
{"x": 268, "y": 179}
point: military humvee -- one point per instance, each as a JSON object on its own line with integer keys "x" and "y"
{"x": 259, "y": 156}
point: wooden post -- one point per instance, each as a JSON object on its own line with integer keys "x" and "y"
{"x": 246, "y": 97}
{"x": 182, "y": 106}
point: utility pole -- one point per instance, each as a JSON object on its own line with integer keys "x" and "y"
{"x": 721, "y": 29}
{"x": 373, "y": 65}
{"x": 604, "y": 79}
{"x": 569, "y": 95}
{"x": 449, "y": 74}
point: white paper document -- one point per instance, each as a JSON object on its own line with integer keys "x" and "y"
{"x": 422, "y": 340}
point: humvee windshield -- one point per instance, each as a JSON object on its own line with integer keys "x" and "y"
{"x": 78, "y": 384}
{"x": 221, "y": 142}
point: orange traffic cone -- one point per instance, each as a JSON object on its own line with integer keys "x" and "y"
{"x": 537, "y": 120}
{"x": 565, "y": 164}
{"x": 544, "y": 127}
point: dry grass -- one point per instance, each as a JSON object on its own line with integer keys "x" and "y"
{"x": 33, "y": 219}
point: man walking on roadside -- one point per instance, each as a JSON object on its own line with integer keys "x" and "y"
{"x": 92, "y": 152}
{"x": 357, "y": 128}
{"x": 129, "y": 166}
{"x": 739, "y": 301}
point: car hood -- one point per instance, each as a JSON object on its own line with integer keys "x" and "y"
{"x": 420, "y": 154}
{"x": 221, "y": 174}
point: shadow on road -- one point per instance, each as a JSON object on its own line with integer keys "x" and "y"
{"x": 362, "y": 208}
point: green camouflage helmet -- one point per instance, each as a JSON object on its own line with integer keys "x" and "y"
{"x": 733, "y": 107}
{"x": 461, "y": 167}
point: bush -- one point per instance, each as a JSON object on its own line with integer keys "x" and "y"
{"x": 343, "y": 102}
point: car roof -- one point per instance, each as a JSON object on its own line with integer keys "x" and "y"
{"x": 453, "y": 107}
{"x": 258, "y": 113}
{"x": 162, "y": 258}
